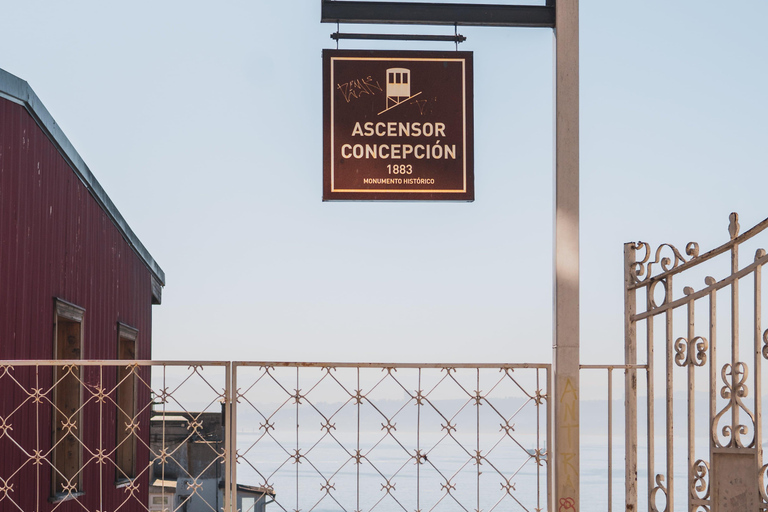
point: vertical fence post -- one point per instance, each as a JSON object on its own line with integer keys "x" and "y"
{"x": 230, "y": 397}
{"x": 610, "y": 439}
{"x": 630, "y": 381}
{"x": 566, "y": 256}
{"x": 733, "y": 229}
{"x": 758, "y": 352}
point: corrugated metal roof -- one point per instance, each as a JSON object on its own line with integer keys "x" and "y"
{"x": 169, "y": 418}
{"x": 255, "y": 490}
{"x": 164, "y": 483}
{"x": 19, "y": 91}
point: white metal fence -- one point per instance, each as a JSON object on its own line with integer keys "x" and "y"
{"x": 212, "y": 436}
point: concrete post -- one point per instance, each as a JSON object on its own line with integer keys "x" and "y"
{"x": 566, "y": 258}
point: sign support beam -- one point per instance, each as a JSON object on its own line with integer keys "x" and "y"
{"x": 424, "y": 13}
{"x": 566, "y": 258}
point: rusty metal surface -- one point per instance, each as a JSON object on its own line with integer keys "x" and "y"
{"x": 734, "y": 491}
{"x": 17, "y": 91}
{"x": 58, "y": 242}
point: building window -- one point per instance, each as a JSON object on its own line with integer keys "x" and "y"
{"x": 160, "y": 503}
{"x": 67, "y": 450}
{"x": 249, "y": 505}
{"x": 127, "y": 407}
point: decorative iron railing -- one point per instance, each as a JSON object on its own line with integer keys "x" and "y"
{"x": 71, "y": 440}
{"x": 210, "y": 436}
{"x": 396, "y": 437}
{"x": 705, "y": 362}
{"x": 609, "y": 423}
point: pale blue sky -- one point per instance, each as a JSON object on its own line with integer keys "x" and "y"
{"x": 203, "y": 123}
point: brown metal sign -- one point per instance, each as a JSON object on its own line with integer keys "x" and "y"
{"x": 397, "y": 125}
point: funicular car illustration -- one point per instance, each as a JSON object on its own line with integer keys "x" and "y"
{"x": 398, "y": 86}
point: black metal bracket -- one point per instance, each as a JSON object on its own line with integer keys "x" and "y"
{"x": 427, "y": 13}
{"x": 458, "y": 38}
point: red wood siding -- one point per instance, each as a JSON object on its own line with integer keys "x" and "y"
{"x": 56, "y": 241}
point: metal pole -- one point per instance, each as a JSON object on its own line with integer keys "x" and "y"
{"x": 630, "y": 382}
{"x": 566, "y": 256}
{"x": 227, "y": 434}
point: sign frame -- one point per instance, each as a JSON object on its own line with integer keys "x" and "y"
{"x": 360, "y": 180}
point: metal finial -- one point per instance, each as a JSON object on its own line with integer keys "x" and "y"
{"x": 733, "y": 227}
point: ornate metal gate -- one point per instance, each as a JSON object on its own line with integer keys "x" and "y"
{"x": 722, "y": 469}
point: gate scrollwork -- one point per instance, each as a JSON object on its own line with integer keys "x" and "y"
{"x": 667, "y": 256}
{"x": 763, "y": 484}
{"x": 692, "y": 352}
{"x": 734, "y": 389}
{"x": 700, "y": 482}
{"x": 765, "y": 344}
{"x": 654, "y": 492}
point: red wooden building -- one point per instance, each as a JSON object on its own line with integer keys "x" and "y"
{"x": 75, "y": 283}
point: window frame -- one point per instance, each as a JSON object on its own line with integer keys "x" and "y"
{"x": 126, "y": 335}
{"x": 66, "y": 316}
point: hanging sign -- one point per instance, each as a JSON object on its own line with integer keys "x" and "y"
{"x": 397, "y": 125}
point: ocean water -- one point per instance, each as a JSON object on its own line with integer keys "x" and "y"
{"x": 388, "y": 479}
{"x": 328, "y": 477}
{"x": 594, "y": 473}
